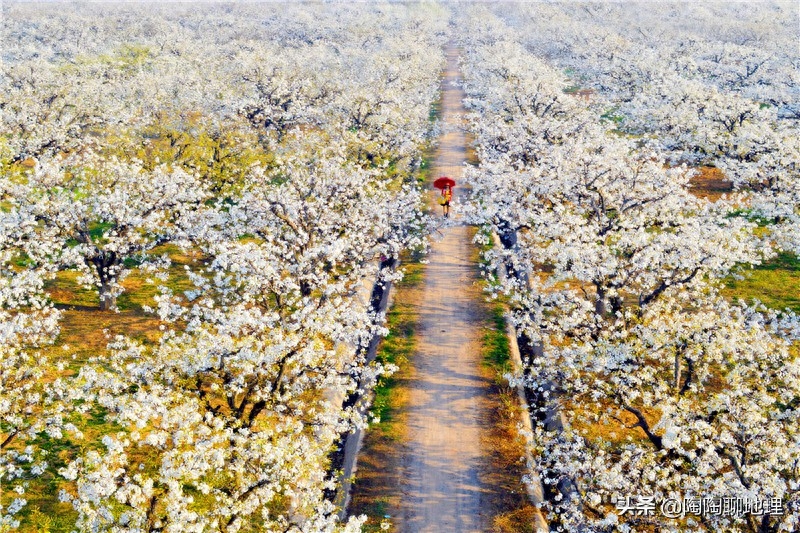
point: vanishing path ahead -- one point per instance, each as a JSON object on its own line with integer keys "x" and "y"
{"x": 446, "y": 413}
{"x": 447, "y": 458}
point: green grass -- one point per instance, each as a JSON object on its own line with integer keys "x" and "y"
{"x": 397, "y": 348}
{"x": 65, "y": 291}
{"x": 613, "y": 115}
{"x": 748, "y": 214}
{"x": 377, "y": 510}
{"x": 379, "y": 462}
{"x": 44, "y": 513}
{"x": 435, "y": 112}
{"x": 776, "y": 284}
{"x": 49, "y": 520}
{"x": 495, "y": 342}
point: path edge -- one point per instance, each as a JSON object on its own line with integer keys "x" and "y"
{"x": 533, "y": 482}
{"x": 381, "y": 298}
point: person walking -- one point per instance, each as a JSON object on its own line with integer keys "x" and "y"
{"x": 447, "y": 195}
{"x": 446, "y": 185}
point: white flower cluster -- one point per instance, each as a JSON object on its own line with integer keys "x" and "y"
{"x": 28, "y": 403}
{"x": 662, "y": 387}
{"x": 228, "y": 421}
{"x": 726, "y": 98}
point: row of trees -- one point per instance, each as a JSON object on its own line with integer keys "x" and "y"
{"x": 284, "y": 159}
{"x": 726, "y": 98}
{"x": 662, "y": 387}
{"x": 741, "y": 48}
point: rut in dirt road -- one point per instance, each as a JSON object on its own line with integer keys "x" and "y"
{"x": 447, "y": 408}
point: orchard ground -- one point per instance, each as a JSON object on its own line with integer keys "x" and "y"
{"x": 248, "y": 129}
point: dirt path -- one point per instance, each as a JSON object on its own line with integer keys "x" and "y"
{"x": 446, "y": 459}
{"x": 442, "y": 488}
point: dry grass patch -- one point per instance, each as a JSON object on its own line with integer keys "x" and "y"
{"x": 87, "y": 332}
{"x": 509, "y": 505}
{"x": 709, "y": 183}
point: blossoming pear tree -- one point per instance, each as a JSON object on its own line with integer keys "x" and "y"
{"x": 96, "y": 213}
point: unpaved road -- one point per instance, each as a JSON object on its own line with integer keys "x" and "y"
{"x": 442, "y": 470}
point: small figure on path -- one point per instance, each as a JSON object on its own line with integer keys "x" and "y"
{"x": 447, "y": 194}
{"x": 446, "y": 185}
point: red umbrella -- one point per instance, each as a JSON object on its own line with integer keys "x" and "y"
{"x": 443, "y": 182}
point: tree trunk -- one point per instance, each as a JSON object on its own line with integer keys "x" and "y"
{"x": 107, "y": 299}
{"x": 106, "y": 266}
{"x": 600, "y": 302}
